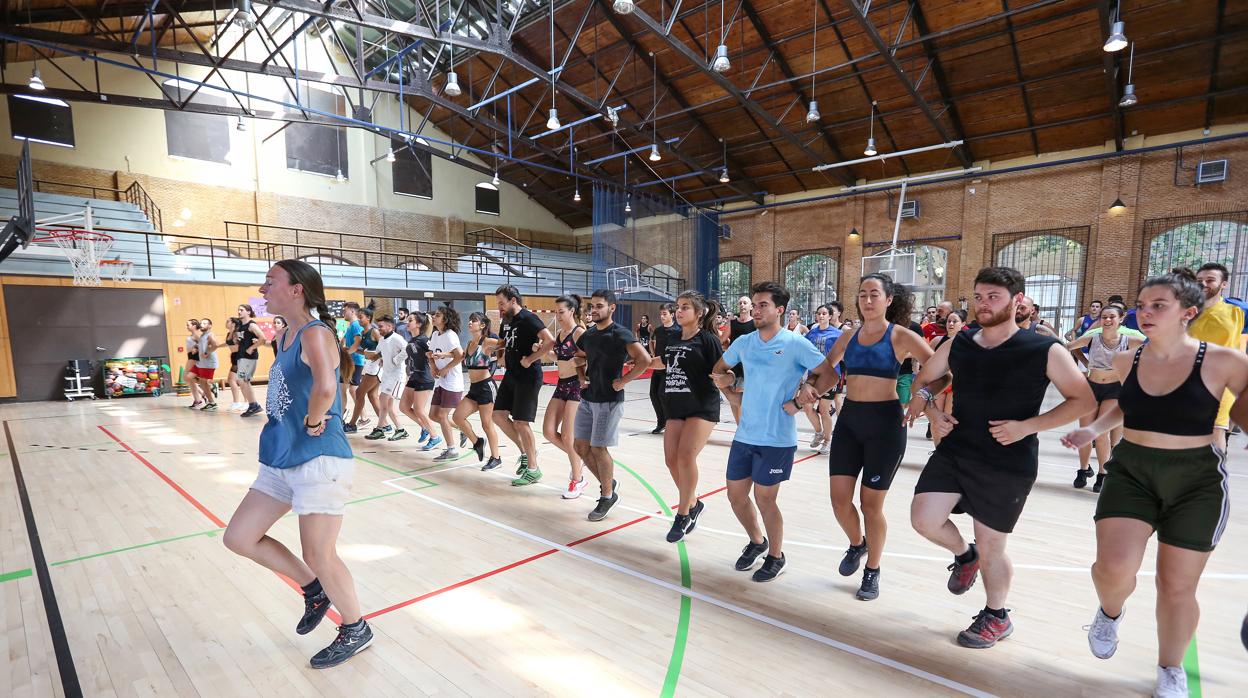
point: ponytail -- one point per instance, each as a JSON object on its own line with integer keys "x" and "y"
{"x": 322, "y": 313}
{"x": 574, "y": 303}
{"x": 705, "y": 308}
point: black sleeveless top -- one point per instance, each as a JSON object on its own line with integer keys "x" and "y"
{"x": 1188, "y": 410}
{"x": 1008, "y": 382}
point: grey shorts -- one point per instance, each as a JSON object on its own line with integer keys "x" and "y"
{"x": 598, "y": 422}
{"x": 318, "y": 486}
{"x": 246, "y": 369}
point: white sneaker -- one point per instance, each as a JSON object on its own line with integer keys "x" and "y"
{"x": 814, "y": 443}
{"x": 238, "y": 406}
{"x": 575, "y": 487}
{"x": 1103, "y": 634}
{"x": 1171, "y": 682}
{"x": 447, "y": 455}
{"x": 825, "y": 449}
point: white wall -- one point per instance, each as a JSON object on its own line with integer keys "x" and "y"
{"x": 132, "y": 139}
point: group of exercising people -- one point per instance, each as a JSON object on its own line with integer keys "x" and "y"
{"x": 1167, "y": 475}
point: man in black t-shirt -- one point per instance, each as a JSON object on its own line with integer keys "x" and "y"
{"x": 658, "y": 344}
{"x": 606, "y": 346}
{"x": 525, "y": 341}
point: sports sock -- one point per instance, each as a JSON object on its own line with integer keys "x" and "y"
{"x": 312, "y": 589}
{"x": 998, "y": 612}
{"x": 966, "y": 557}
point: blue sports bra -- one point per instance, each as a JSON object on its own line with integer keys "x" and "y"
{"x": 878, "y": 359}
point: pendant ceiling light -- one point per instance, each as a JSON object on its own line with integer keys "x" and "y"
{"x": 1118, "y": 206}
{"x": 723, "y": 173}
{"x": 654, "y": 115}
{"x": 1117, "y": 40}
{"x": 35, "y": 82}
{"x": 241, "y": 125}
{"x": 628, "y": 205}
{"x": 495, "y": 180}
{"x": 552, "y": 124}
{"x": 390, "y": 155}
{"x": 870, "y": 151}
{"x": 812, "y": 114}
{"x": 451, "y": 88}
{"x": 623, "y": 7}
{"x": 244, "y": 18}
{"x": 577, "y": 196}
{"x": 721, "y": 64}
{"x": 1128, "y": 93}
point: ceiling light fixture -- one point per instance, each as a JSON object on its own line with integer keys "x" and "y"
{"x": 623, "y": 7}
{"x": 871, "y": 151}
{"x": 1118, "y": 206}
{"x": 552, "y": 124}
{"x": 628, "y": 206}
{"x": 723, "y": 176}
{"x": 339, "y": 177}
{"x": 241, "y": 126}
{"x": 35, "y": 82}
{"x": 495, "y": 180}
{"x": 654, "y": 114}
{"x": 654, "y": 153}
{"x": 1117, "y": 40}
{"x": 452, "y": 88}
{"x": 390, "y": 155}
{"x": 812, "y": 114}
{"x": 721, "y": 64}
{"x": 577, "y": 196}
{"x": 723, "y": 173}
{"x": 244, "y": 18}
{"x": 853, "y": 234}
{"x": 1128, "y": 93}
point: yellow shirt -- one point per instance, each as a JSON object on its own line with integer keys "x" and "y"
{"x": 1222, "y": 325}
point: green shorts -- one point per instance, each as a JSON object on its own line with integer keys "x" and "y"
{"x": 904, "y": 381}
{"x": 1181, "y": 493}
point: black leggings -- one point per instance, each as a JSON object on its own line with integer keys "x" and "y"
{"x": 658, "y": 379}
{"x": 869, "y": 438}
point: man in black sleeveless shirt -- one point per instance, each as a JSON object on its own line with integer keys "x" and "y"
{"x": 987, "y": 460}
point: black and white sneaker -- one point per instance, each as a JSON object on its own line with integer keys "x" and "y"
{"x": 772, "y": 567}
{"x": 463, "y": 440}
{"x": 694, "y": 513}
{"x": 604, "y": 505}
{"x": 376, "y": 433}
{"x": 870, "y": 588}
{"x": 680, "y": 526}
{"x": 853, "y": 557}
{"x": 252, "y": 410}
{"x": 314, "y": 609}
{"x": 492, "y": 464}
{"x": 749, "y": 554}
{"x": 351, "y": 640}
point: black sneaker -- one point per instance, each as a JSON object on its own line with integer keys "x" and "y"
{"x": 252, "y": 410}
{"x": 350, "y": 641}
{"x": 492, "y": 464}
{"x": 376, "y": 433}
{"x": 749, "y": 554}
{"x": 679, "y": 526}
{"x": 853, "y": 556}
{"x": 772, "y": 567}
{"x": 479, "y": 447}
{"x": 1081, "y": 478}
{"x": 694, "y": 513}
{"x": 1243, "y": 632}
{"x": 1100, "y": 482}
{"x": 314, "y": 608}
{"x": 604, "y": 505}
{"x": 349, "y": 428}
{"x": 658, "y": 430}
{"x": 210, "y": 407}
{"x": 870, "y": 588}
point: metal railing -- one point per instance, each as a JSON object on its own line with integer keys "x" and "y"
{"x": 498, "y": 237}
{"x": 134, "y": 194}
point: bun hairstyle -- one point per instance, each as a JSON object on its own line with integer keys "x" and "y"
{"x": 1182, "y": 283}
{"x": 706, "y": 309}
{"x": 902, "y": 303}
{"x": 305, "y": 275}
{"x": 573, "y": 302}
{"x": 483, "y": 320}
{"x": 421, "y": 319}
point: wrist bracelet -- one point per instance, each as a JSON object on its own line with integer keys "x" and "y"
{"x": 312, "y": 426}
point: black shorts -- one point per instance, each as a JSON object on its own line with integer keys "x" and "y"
{"x": 992, "y": 495}
{"x": 357, "y": 374}
{"x": 1105, "y": 391}
{"x": 419, "y": 385}
{"x": 869, "y": 438}
{"x": 482, "y": 392}
{"x": 518, "y": 394}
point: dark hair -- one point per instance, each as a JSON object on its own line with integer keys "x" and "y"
{"x": 606, "y": 294}
{"x": 1215, "y": 266}
{"x": 645, "y": 317}
{"x": 386, "y": 318}
{"x": 706, "y": 308}
{"x": 1182, "y": 283}
{"x": 959, "y": 312}
{"x": 840, "y": 308}
{"x": 1116, "y": 299}
{"x": 509, "y": 292}
{"x": 366, "y": 312}
{"x": 484, "y": 320}
{"x": 279, "y": 317}
{"x": 402, "y": 310}
{"x": 304, "y": 274}
{"x": 250, "y": 311}
{"x": 194, "y": 322}
{"x": 1006, "y": 277}
{"x": 898, "y": 311}
{"x": 572, "y": 302}
{"x": 450, "y": 318}
{"x": 207, "y": 320}
{"x": 422, "y": 319}
{"x": 1114, "y": 307}
{"x": 350, "y": 305}
{"x": 669, "y": 307}
{"x": 779, "y": 294}
{"x": 1097, "y": 302}
{"x": 931, "y": 308}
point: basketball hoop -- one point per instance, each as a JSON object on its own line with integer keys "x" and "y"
{"x": 84, "y": 250}
{"x": 121, "y": 270}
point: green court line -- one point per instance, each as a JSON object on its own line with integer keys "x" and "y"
{"x": 396, "y": 471}
{"x": 1191, "y": 665}
{"x": 15, "y": 575}
{"x": 681, "y": 640}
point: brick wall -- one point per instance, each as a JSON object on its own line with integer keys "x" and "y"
{"x": 977, "y": 209}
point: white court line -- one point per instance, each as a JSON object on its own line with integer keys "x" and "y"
{"x": 699, "y": 596}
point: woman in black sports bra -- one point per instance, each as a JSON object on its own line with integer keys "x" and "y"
{"x": 481, "y": 390}
{"x": 561, "y": 410}
{"x": 1166, "y": 475}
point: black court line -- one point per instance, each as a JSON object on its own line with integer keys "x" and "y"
{"x": 60, "y": 643}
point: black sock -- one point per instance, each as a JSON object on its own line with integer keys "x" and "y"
{"x": 1109, "y": 616}
{"x": 967, "y": 557}
{"x": 861, "y": 545}
{"x": 312, "y": 589}
{"x": 871, "y": 569}
{"x": 998, "y": 612}
{"x": 360, "y": 623}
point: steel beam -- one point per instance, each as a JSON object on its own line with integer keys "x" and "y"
{"x": 1109, "y": 65}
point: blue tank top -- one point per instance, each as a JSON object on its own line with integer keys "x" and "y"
{"x": 284, "y": 443}
{"x": 877, "y": 359}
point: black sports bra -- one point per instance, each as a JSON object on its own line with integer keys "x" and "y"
{"x": 1188, "y": 410}
{"x": 565, "y": 348}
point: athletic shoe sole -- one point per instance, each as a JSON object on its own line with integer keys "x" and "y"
{"x": 769, "y": 579}
{"x": 967, "y": 643}
{"x": 363, "y": 647}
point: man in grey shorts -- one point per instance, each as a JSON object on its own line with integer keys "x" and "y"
{"x": 606, "y": 347}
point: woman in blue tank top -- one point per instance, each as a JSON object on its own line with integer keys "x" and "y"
{"x": 306, "y": 463}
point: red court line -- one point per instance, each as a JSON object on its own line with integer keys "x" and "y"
{"x": 185, "y": 495}
{"x": 203, "y": 509}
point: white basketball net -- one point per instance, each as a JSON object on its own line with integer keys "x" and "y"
{"x": 121, "y": 270}
{"x": 84, "y": 252}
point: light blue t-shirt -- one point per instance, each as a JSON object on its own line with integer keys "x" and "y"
{"x": 772, "y": 373}
{"x": 354, "y": 330}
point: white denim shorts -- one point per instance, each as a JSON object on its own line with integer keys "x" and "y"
{"x": 318, "y": 486}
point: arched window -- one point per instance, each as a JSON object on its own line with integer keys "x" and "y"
{"x": 930, "y": 271}
{"x": 811, "y": 278}
{"x": 1052, "y": 262}
{"x": 317, "y": 260}
{"x": 732, "y": 280}
{"x": 206, "y": 251}
{"x": 1191, "y": 241}
{"x": 413, "y": 266}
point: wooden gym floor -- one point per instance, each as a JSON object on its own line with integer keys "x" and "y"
{"x": 478, "y": 588}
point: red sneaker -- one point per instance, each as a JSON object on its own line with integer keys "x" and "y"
{"x": 986, "y": 630}
{"x": 963, "y": 575}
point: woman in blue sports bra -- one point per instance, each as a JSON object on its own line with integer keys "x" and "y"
{"x": 870, "y": 433}
{"x": 561, "y": 410}
{"x": 481, "y": 390}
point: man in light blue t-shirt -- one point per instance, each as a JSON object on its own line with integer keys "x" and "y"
{"x": 351, "y": 340}
{"x": 761, "y": 458}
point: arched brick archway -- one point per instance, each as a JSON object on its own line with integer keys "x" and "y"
{"x": 1054, "y": 263}
{"x": 1189, "y": 241}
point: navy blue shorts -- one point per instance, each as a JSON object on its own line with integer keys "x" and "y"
{"x": 765, "y": 465}
{"x": 357, "y": 374}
